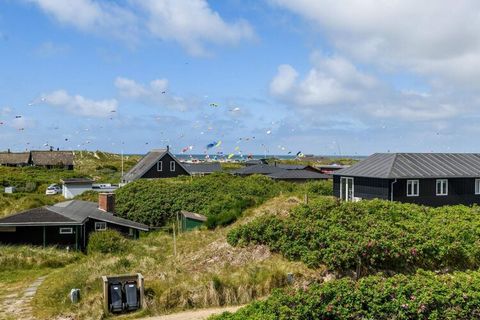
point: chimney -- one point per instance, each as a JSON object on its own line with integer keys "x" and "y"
{"x": 106, "y": 202}
{"x": 8, "y": 150}
{"x": 168, "y": 148}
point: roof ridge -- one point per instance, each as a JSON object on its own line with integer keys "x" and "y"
{"x": 389, "y": 174}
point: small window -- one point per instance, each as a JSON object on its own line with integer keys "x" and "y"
{"x": 100, "y": 226}
{"x": 66, "y": 230}
{"x": 159, "y": 166}
{"x": 412, "y": 188}
{"x": 442, "y": 187}
{"x": 477, "y": 186}
{"x": 172, "y": 165}
{"x": 131, "y": 232}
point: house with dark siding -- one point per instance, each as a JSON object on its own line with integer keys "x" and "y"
{"x": 432, "y": 179}
{"x": 66, "y": 224}
{"x": 158, "y": 163}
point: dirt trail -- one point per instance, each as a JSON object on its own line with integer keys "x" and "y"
{"x": 16, "y": 303}
{"x": 195, "y": 315}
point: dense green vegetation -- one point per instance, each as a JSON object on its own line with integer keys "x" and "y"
{"x": 420, "y": 296}
{"x": 108, "y": 241}
{"x": 221, "y": 197}
{"x": 371, "y": 235}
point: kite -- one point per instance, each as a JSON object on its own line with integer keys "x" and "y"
{"x": 18, "y": 117}
{"x": 211, "y": 145}
{"x": 269, "y": 131}
{"x": 230, "y": 156}
{"x": 300, "y": 154}
{"x": 215, "y": 105}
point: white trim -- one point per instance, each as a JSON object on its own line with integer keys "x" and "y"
{"x": 442, "y": 192}
{"x": 413, "y": 183}
{"x": 100, "y": 223}
{"x": 348, "y": 181}
{"x": 172, "y": 165}
{"x": 477, "y": 186}
{"x": 159, "y": 165}
{"x": 65, "y": 230}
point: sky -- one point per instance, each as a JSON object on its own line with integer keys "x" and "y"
{"x": 327, "y": 77}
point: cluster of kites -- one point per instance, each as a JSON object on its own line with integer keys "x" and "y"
{"x": 212, "y": 147}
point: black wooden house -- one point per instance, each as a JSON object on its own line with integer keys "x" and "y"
{"x": 432, "y": 179}
{"x": 66, "y": 224}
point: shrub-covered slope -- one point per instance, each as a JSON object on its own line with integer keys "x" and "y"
{"x": 221, "y": 197}
{"x": 371, "y": 235}
{"x": 421, "y": 296}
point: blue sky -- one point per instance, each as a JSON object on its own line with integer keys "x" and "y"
{"x": 266, "y": 76}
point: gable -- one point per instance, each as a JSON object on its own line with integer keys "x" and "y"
{"x": 165, "y": 167}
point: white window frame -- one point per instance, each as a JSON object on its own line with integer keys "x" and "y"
{"x": 477, "y": 186}
{"x": 172, "y": 165}
{"x": 443, "y": 192}
{"x": 413, "y": 183}
{"x": 100, "y": 223}
{"x": 345, "y": 182}
{"x": 159, "y": 166}
{"x": 65, "y": 230}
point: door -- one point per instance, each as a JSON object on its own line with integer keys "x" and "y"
{"x": 346, "y": 189}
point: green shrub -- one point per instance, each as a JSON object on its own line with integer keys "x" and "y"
{"x": 221, "y": 197}
{"x": 373, "y": 235}
{"x": 108, "y": 241}
{"x": 421, "y": 296}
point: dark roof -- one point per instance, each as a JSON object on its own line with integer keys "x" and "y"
{"x": 298, "y": 175}
{"x": 147, "y": 162}
{"x": 257, "y": 169}
{"x": 252, "y": 162}
{"x": 68, "y": 212}
{"x": 203, "y": 167}
{"x": 34, "y": 216}
{"x": 415, "y": 165}
{"x": 52, "y": 158}
{"x": 77, "y": 181}
{"x": 193, "y": 216}
{"x": 14, "y": 158}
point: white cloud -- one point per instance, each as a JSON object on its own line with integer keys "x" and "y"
{"x": 155, "y": 93}
{"x": 331, "y": 81}
{"x": 77, "y": 104}
{"x": 436, "y": 38}
{"x": 191, "y": 23}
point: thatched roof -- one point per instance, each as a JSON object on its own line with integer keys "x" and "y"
{"x": 11, "y": 158}
{"x": 52, "y": 158}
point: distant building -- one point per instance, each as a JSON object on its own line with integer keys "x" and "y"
{"x": 75, "y": 186}
{"x": 15, "y": 159}
{"x": 158, "y": 163}
{"x": 432, "y": 179}
{"x": 47, "y": 159}
{"x": 68, "y": 223}
{"x": 202, "y": 168}
{"x": 161, "y": 163}
{"x": 53, "y": 159}
{"x": 286, "y": 172}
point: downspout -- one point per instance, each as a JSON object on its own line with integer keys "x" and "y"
{"x": 391, "y": 189}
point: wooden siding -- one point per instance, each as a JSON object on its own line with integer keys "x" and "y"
{"x": 165, "y": 173}
{"x": 460, "y": 191}
{"x": 365, "y": 188}
{"x": 33, "y": 235}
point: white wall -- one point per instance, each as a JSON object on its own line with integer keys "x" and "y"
{"x": 72, "y": 190}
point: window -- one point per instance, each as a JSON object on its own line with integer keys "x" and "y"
{"x": 159, "y": 166}
{"x": 412, "y": 188}
{"x": 442, "y": 187}
{"x": 100, "y": 226}
{"x": 66, "y": 230}
{"x": 477, "y": 186}
{"x": 172, "y": 165}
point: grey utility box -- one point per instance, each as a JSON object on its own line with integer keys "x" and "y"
{"x": 123, "y": 293}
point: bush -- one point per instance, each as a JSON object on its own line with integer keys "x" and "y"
{"x": 421, "y": 296}
{"x": 221, "y": 197}
{"x": 373, "y": 235}
{"x": 108, "y": 241}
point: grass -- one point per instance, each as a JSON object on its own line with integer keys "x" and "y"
{"x": 206, "y": 272}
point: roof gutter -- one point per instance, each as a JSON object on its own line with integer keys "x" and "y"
{"x": 391, "y": 189}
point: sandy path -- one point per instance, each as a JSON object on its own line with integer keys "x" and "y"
{"x": 195, "y": 315}
{"x": 16, "y": 305}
